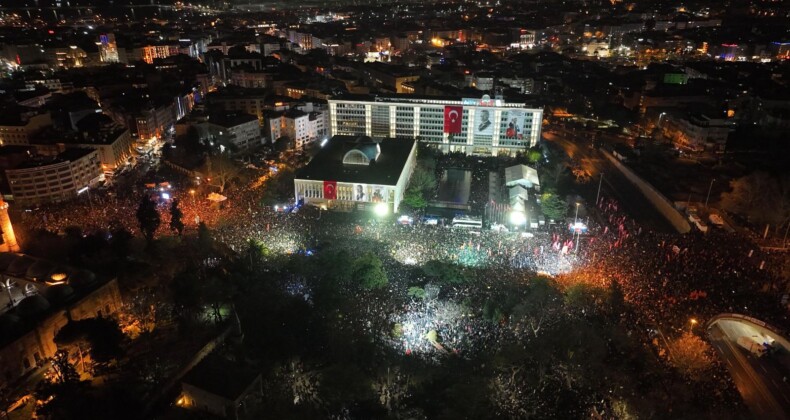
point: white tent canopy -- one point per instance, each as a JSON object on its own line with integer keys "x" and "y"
{"x": 522, "y": 175}
{"x": 216, "y": 197}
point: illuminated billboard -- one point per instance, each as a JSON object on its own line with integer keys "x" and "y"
{"x": 516, "y": 124}
{"x": 484, "y": 122}
{"x": 361, "y": 192}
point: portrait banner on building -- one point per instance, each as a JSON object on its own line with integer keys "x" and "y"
{"x": 484, "y": 122}
{"x": 379, "y": 195}
{"x": 361, "y": 192}
{"x": 330, "y": 190}
{"x": 515, "y": 124}
{"x": 452, "y": 119}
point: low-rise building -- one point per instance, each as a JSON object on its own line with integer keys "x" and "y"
{"x": 42, "y": 297}
{"x": 697, "y": 131}
{"x": 47, "y": 179}
{"x": 299, "y": 125}
{"x": 17, "y": 128}
{"x": 390, "y": 77}
{"x": 236, "y": 128}
{"x": 221, "y": 387}
{"x": 96, "y": 131}
{"x": 358, "y": 173}
{"x": 250, "y": 101}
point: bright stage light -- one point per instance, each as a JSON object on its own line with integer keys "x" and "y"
{"x": 518, "y": 218}
{"x": 381, "y": 209}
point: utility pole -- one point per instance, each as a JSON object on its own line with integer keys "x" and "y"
{"x": 598, "y": 196}
{"x": 709, "y": 189}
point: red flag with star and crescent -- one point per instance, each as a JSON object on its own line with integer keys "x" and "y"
{"x": 330, "y": 190}
{"x": 452, "y": 119}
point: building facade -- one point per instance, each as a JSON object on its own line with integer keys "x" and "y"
{"x": 357, "y": 173}
{"x": 55, "y": 179}
{"x": 239, "y": 129}
{"x": 697, "y": 131}
{"x": 486, "y": 126}
{"x": 19, "y": 132}
{"x": 303, "y": 127}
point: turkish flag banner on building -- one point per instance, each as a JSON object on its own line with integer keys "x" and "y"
{"x": 452, "y": 119}
{"x": 330, "y": 190}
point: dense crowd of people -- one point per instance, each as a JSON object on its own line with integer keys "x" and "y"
{"x": 667, "y": 278}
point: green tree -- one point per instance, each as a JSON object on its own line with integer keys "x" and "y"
{"x": 534, "y": 155}
{"x": 148, "y": 218}
{"x": 102, "y": 337}
{"x": 414, "y": 199}
{"x": 368, "y": 272}
{"x": 423, "y": 180}
{"x": 554, "y": 207}
{"x": 176, "y": 215}
{"x": 337, "y": 266}
{"x": 221, "y": 170}
{"x": 62, "y": 395}
{"x": 444, "y": 272}
{"x": 422, "y": 186}
{"x": 759, "y": 196}
{"x": 416, "y": 292}
{"x": 64, "y": 371}
{"x": 691, "y": 355}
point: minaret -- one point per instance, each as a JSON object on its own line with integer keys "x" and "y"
{"x": 7, "y": 236}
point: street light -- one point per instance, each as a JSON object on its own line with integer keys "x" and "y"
{"x": 518, "y": 218}
{"x": 693, "y": 322}
{"x": 576, "y": 227}
{"x": 381, "y": 209}
{"x": 709, "y": 188}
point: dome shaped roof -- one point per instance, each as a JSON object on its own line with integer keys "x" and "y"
{"x": 19, "y": 266}
{"x": 9, "y": 324}
{"x": 365, "y": 150}
{"x": 32, "y": 306}
{"x": 59, "y": 294}
{"x": 39, "y": 270}
{"x": 6, "y": 258}
{"x": 82, "y": 278}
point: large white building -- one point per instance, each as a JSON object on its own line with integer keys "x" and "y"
{"x": 237, "y": 128}
{"x": 357, "y": 173}
{"x": 482, "y": 126}
{"x": 303, "y": 127}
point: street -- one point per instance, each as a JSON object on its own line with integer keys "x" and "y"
{"x": 760, "y": 386}
{"x": 614, "y": 183}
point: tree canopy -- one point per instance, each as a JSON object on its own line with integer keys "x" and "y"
{"x": 176, "y": 215}
{"x": 368, "y": 272}
{"x": 148, "y": 218}
{"x": 554, "y": 206}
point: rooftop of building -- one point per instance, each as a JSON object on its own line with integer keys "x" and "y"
{"x": 391, "y": 69}
{"x": 71, "y": 102}
{"x": 222, "y": 377}
{"x": 232, "y": 92}
{"x": 68, "y": 155}
{"x": 13, "y": 149}
{"x": 402, "y": 97}
{"x": 15, "y": 115}
{"x": 93, "y": 129}
{"x": 231, "y": 119}
{"x": 328, "y": 165}
{"x": 43, "y": 287}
